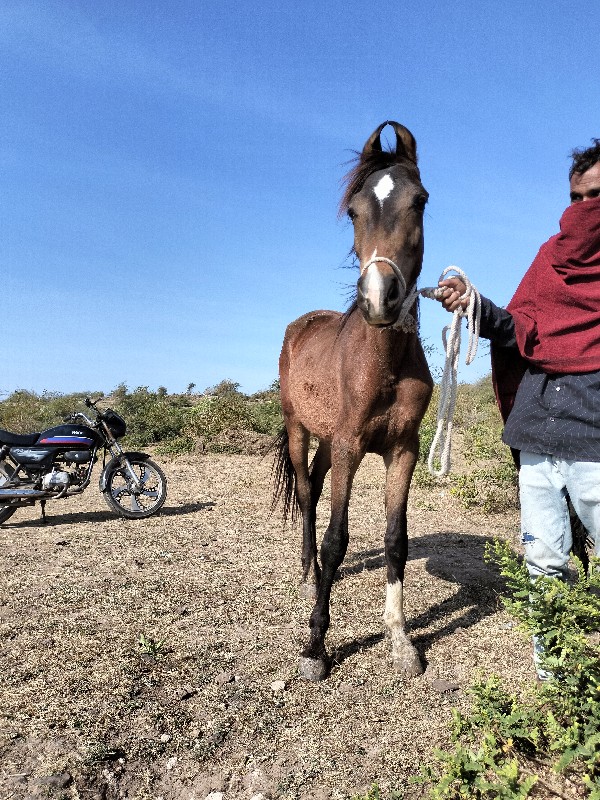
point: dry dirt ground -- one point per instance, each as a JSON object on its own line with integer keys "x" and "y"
{"x": 158, "y": 658}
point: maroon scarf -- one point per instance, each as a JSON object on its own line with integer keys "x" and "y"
{"x": 556, "y": 307}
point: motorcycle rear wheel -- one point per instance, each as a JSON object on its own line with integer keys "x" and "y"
{"x": 6, "y": 512}
{"x": 121, "y": 497}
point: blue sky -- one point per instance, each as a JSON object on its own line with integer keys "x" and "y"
{"x": 171, "y": 171}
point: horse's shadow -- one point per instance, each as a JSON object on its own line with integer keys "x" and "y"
{"x": 77, "y": 517}
{"x": 457, "y": 558}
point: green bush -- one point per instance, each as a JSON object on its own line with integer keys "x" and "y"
{"x": 422, "y": 478}
{"x": 266, "y": 416}
{"x": 507, "y": 746}
{"x": 482, "y": 442}
{"x": 27, "y": 412}
{"x": 174, "y": 422}
{"x": 151, "y": 417}
{"x": 428, "y": 426}
{"x": 492, "y": 488}
{"x": 476, "y": 415}
{"x": 214, "y": 415}
{"x": 224, "y": 387}
{"x": 492, "y": 485}
{"x": 476, "y": 402}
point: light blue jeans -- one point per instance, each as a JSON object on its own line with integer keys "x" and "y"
{"x": 544, "y": 482}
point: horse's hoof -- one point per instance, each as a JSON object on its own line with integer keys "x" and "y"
{"x": 313, "y": 669}
{"x": 308, "y": 591}
{"x": 408, "y": 664}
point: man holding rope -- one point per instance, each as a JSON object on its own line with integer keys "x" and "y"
{"x": 546, "y": 369}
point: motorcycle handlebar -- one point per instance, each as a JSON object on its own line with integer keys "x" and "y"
{"x": 92, "y": 403}
{"x": 76, "y": 416}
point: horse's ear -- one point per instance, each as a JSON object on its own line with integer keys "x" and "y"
{"x": 405, "y": 141}
{"x": 373, "y": 143}
{"x": 406, "y": 146}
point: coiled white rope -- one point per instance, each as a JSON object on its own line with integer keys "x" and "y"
{"x": 440, "y": 446}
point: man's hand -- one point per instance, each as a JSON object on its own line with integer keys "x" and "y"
{"x": 454, "y": 288}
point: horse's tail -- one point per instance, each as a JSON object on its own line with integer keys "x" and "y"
{"x": 284, "y": 478}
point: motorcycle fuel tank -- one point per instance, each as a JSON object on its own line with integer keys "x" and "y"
{"x": 62, "y": 437}
{"x": 73, "y": 437}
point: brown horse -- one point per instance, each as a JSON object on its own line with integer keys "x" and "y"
{"x": 359, "y": 382}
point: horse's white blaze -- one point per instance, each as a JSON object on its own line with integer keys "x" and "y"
{"x": 383, "y": 188}
{"x": 362, "y": 269}
{"x": 374, "y": 288}
{"x": 393, "y": 616}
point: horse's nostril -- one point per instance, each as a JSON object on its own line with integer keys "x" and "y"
{"x": 393, "y": 294}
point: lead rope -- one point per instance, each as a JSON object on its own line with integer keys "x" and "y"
{"x": 443, "y": 436}
{"x": 445, "y": 415}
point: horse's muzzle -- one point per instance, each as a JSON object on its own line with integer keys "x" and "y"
{"x": 379, "y": 296}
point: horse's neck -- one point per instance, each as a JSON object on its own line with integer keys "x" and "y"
{"x": 386, "y": 347}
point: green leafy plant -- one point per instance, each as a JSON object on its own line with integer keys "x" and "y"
{"x": 374, "y": 793}
{"x": 491, "y": 488}
{"x": 266, "y": 416}
{"x": 151, "y": 646}
{"x": 172, "y": 422}
{"x": 151, "y": 417}
{"x": 422, "y": 478}
{"x": 24, "y": 412}
{"x": 511, "y": 747}
{"x": 428, "y": 427}
{"x": 214, "y": 415}
{"x": 482, "y": 442}
{"x": 488, "y": 479}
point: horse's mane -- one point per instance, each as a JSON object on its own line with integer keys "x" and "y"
{"x": 347, "y": 314}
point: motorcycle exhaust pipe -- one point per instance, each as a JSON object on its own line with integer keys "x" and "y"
{"x": 15, "y": 494}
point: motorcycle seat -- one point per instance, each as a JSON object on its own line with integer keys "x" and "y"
{"x": 18, "y": 439}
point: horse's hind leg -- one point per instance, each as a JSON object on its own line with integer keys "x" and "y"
{"x": 400, "y": 466}
{"x": 311, "y": 572}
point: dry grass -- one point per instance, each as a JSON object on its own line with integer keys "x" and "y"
{"x": 90, "y": 710}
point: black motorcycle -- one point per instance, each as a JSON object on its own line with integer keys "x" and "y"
{"x": 36, "y": 467}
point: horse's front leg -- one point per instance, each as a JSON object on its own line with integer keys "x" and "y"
{"x": 314, "y": 661}
{"x": 400, "y": 465}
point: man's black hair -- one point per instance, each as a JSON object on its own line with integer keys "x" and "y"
{"x": 584, "y": 159}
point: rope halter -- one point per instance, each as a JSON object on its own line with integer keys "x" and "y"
{"x": 405, "y": 321}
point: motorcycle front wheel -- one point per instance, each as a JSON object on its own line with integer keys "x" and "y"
{"x": 133, "y": 502}
{"x": 5, "y": 511}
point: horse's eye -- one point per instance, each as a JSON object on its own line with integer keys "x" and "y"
{"x": 420, "y": 202}
{"x": 351, "y": 214}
